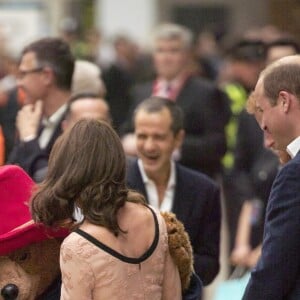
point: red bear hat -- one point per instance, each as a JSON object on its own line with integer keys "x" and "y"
{"x": 17, "y": 229}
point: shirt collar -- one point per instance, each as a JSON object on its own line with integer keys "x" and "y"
{"x": 174, "y": 83}
{"x": 146, "y": 179}
{"x": 56, "y": 117}
{"x": 293, "y": 148}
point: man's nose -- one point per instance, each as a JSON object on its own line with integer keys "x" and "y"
{"x": 10, "y": 292}
{"x": 268, "y": 140}
{"x": 262, "y": 124}
{"x": 149, "y": 144}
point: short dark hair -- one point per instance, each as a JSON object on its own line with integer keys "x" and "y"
{"x": 247, "y": 50}
{"x": 56, "y": 54}
{"x": 157, "y": 104}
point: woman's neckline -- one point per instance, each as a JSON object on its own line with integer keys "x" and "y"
{"x": 111, "y": 251}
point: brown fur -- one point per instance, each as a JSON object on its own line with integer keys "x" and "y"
{"x": 180, "y": 248}
{"x": 32, "y": 269}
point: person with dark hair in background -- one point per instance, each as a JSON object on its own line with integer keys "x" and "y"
{"x": 260, "y": 166}
{"x": 11, "y": 100}
{"x": 246, "y": 59}
{"x": 169, "y": 186}
{"x": 205, "y": 107}
{"x": 255, "y": 169}
{"x": 45, "y": 76}
{"x": 120, "y": 77}
{"x": 281, "y": 47}
{"x": 120, "y": 249}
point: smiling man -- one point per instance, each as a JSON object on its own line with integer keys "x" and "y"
{"x": 277, "y": 100}
{"x": 206, "y": 108}
{"x": 167, "y": 185}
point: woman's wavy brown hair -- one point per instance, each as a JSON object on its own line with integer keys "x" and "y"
{"x": 87, "y": 168}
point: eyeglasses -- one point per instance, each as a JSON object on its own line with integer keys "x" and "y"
{"x": 22, "y": 74}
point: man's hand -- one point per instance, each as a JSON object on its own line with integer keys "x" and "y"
{"x": 28, "y": 120}
{"x": 254, "y": 257}
{"x": 239, "y": 255}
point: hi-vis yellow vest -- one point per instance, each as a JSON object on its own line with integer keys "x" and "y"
{"x": 238, "y": 97}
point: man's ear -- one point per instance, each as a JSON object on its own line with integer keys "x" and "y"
{"x": 48, "y": 75}
{"x": 284, "y": 100}
{"x": 179, "y": 138}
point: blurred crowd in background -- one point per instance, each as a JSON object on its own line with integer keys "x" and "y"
{"x": 231, "y": 63}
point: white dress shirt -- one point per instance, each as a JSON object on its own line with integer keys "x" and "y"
{"x": 167, "y": 203}
{"x": 293, "y": 148}
{"x": 50, "y": 125}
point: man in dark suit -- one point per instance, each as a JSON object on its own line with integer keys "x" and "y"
{"x": 167, "y": 185}
{"x": 45, "y": 76}
{"x": 255, "y": 168}
{"x": 277, "y": 274}
{"x": 205, "y": 107}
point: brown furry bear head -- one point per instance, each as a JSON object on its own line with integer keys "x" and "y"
{"x": 27, "y": 272}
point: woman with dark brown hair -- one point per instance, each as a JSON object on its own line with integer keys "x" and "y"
{"x": 120, "y": 249}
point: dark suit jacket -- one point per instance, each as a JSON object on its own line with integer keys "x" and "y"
{"x": 255, "y": 168}
{"x": 53, "y": 292}
{"x": 206, "y": 111}
{"x": 8, "y": 115}
{"x": 118, "y": 82}
{"x": 30, "y": 156}
{"x": 197, "y": 206}
{"x": 277, "y": 274}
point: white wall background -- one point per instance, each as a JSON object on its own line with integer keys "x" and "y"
{"x": 136, "y": 18}
{"x": 20, "y": 24}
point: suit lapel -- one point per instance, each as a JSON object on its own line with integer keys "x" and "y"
{"x": 134, "y": 179}
{"x": 297, "y": 155}
{"x": 57, "y": 132}
{"x": 181, "y": 207}
{"x": 184, "y": 93}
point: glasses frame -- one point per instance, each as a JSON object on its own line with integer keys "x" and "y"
{"x": 22, "y": 74}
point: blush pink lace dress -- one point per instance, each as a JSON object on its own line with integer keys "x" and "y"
{"x": 92, "y": 270}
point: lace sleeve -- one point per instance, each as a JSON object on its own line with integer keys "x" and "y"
{"x": 171, "y": 282}
{"x": 77, "y": 275}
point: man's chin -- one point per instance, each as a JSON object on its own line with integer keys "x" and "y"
{"x": 169, "y": 76}
{"x": 152, "y": 169}
{"x": 150, "y": 166}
